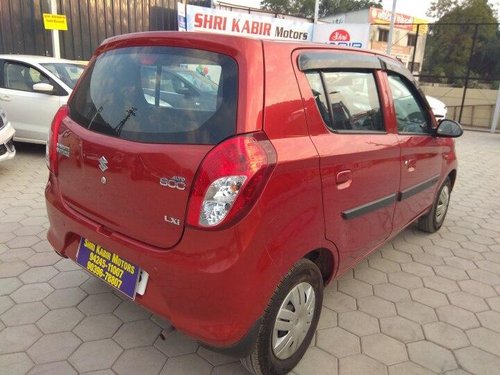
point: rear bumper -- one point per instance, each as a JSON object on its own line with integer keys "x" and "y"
{"x": 213, "y": 285}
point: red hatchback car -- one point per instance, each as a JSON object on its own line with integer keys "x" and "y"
{"x": 221, "y": 182}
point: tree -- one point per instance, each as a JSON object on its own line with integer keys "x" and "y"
{"x": 439, "y": 8}
{"x": 305, "y": 8}
{"x": 450, "y": 42}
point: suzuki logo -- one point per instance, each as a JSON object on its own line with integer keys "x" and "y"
{"x": 103, "y": 163}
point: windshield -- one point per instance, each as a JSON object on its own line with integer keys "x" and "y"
{"x": 66, "y": 72}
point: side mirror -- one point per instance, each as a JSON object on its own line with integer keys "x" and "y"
{"x": 43, "y": 88}
{"x": 449, "y": 129}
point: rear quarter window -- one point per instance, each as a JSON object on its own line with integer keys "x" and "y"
{"x": 159, "y": 95}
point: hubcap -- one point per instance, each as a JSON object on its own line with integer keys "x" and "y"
{"x": 442, "y": 205}
{"x": 293, "y": 320}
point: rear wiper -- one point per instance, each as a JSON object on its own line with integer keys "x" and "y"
{"x": 130, "y": 112}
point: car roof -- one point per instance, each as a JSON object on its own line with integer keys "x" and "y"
{"x": 35, "y": 59}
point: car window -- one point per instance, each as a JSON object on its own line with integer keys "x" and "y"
{"x": 66, "y": 72}
{"x": 410, "y": 116}
{"x": 142, "y": 94}
{"x": 347, "y": 101}
{"x": 22, "y": 77}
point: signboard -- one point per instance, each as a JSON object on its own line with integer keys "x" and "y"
{"x": 349, "y": 35}
{"x": 383, "y": 17}
{"x": 181, "y": 16}
{"x": 424, "y": 25}
{"x": 54, "y": 21}
{"x": 250, "y": 25}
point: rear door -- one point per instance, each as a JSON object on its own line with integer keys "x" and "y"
{"x": 30, "y": 112}
{"x": 131, "y": 153}
{"x": 359, "y": 157}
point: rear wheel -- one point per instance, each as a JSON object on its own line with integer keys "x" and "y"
{"x": 289, "y": 321}
{"x": 435, "y": 218}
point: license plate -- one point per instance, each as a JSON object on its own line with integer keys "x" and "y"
{"x": 109, "y": 267}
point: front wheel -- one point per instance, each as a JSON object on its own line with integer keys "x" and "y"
{"x": 435, "y": 218}
{"x": 289, "y": 321}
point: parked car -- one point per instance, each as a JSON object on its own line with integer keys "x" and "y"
{"x": 32, "y": 90}
{"x": 7, "y": 148}
{"x": 229, "y": 220}
{"x": 438, "y": 107}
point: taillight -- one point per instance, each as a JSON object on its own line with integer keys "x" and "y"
{"x": 51, "y": 148}
{"x": 230, "y": 179}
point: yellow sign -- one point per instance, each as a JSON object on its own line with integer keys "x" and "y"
{"x": 54, "y": 21}
{"x": 424, "y": 25}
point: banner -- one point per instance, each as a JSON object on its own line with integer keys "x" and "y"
{"x": 235, "y": 23}
{"x": 383, "y": 17}
{"x": 348, "y": 34}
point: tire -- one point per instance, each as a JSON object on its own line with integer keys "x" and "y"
{"x": 432, "y": 221}
{"x": 279, "y": 351}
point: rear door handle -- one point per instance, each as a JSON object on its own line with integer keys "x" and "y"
{"x": 5, "y": 98}
{"x": 411, "y": 164}
{"x": 344, "y": 179}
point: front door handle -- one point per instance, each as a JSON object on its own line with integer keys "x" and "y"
{"x": 5, "y": 98}
{"x": 344, "y": 179}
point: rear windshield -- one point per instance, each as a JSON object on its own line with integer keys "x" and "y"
{"x": 159, "y": 95}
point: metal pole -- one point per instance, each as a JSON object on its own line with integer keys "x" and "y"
{"x": 316, "y": 11}
{"x": 468, "y": 72}
{"x": 391, "y": 28}
{"x": 56, "y": 48}
{"x": 415, "y": 50}
{"x": 496, "y": 115}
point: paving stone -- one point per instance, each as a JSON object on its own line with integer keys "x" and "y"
{"x": 328, "y": 319}
{"x": 317, "y": 362}
{"x": 361, "y": 365}
{"x": 60, "y": 320}
{"x": 339, "y": 302}
{"x": 359, "y": 323}
{"x": 148, "y": 360}
{"x": 431, "y": 356}
{"x": 355, "y": 288}
{"x": 428, "y": 260}
{"x": 486, "y": 277}
{"x": 460, "y": 263}
{"x": 12, "y": 269}
{"x": 43, "y": 247}
{"x": 429, "y": 297}
{"x": 230, "y": 369}
{"x": 95, "y": 286}
{"x": 401, "y": 329}
{"x": 55, "y": 368}
{"x": 391, "y": 292}
{"x": 38, "y": 274}
{"x": 477, "y": 361}
{"x": 43, "y": 259}
{"x": 129, "y": 311}
{"x": 5, "y": 303}
{"x": 468, "y": 254}
{"x": 396, "y": 256}
{"x": 64, "y": 298}
{"x": 457, "y": 316}
{"x": 95, "y": 355}
{"x": 22, "y": 241}
{"x": 217, "y": 359}
{"x": 176, "y": 344}
{"x": 485, "y": 339}
{"x": 15, "y": 363}
{"x": 376, "y": 306}
{"x": 16, "y": 255}
{"x": 416, "y": 311}
{"x": 338, "y": 342}
{"x": 32, "y": 292}
{"x": 138, "y": 333}
{"x": 405, "y": 280}
{"x": 440, "y": 284}
{"x": 24, "y": 313}
{"x": 69, "y": 279}
{"x": 29, "y": 230}
{"x": 18, "y": 339}
{"x": 446, "y": 335}
{"x": 384, "y": 349}
{"x": 54, "y": 347}
{"x": 66, "y": 265}
{"x": 97, "y": 327}
{"x": 8, "y": 285}
{"x": 490, "y": 319}
{"x": 488, "y": 265}
{"x": 370, "y": 276}
{"x": 99, "y": 304}
{"x": 494, "y": 303}
{"x": 409, "y": 368}
{"x": 384, "y": 265}
{"x": 468, "y": 301}
{"x": 477, "y": 288}
{"x": 451, "y": 273}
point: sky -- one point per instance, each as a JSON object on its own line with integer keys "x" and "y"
{"x": 416, "y": 8}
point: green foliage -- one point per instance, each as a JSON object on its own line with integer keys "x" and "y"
{"x": 305, "y": 8}
{"x": 450, "y": 41}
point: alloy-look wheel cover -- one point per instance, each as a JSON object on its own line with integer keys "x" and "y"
{"x": 293, "y": 320}
{"x": 442, "y": 205}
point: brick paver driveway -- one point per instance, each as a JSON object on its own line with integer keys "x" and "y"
{"x": 423, "y": 304}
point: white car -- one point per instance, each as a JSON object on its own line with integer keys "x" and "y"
{"x": 32, "y": 90}
{"x": 7, "y": 149}
{"x": 438, "y": 107}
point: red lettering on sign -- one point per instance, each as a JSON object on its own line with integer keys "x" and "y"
{"x": 236, "y": 25}
{"x": 208, "y": 21}
{"x": 340, "y": 35}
